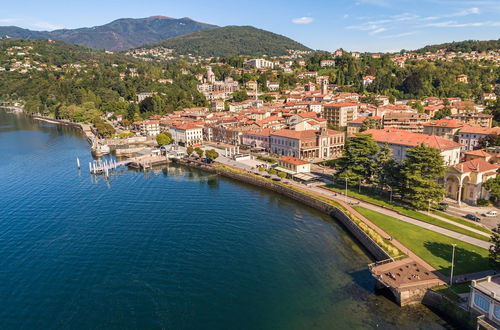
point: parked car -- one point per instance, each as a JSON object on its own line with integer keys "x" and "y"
{"x": 442, "y": 206}
{"x": 491, "y": 214}
{"x": 472, "y": 217}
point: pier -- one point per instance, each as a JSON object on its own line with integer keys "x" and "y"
{"x": 104, "y": 167}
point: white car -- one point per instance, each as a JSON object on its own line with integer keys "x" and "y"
{"x": 491, "y": 214}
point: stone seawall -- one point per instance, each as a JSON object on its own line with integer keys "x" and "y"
{"x": 371, "y": 246}
{"x": 467, "y": 319}
{"x": 56, "y": 121}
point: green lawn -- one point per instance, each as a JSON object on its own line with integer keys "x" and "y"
{"x": 434, "y": 248}
{"x": 415, "y": 214}
{"x": 462, "y": 221}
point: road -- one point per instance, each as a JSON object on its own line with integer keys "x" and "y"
{"x": 425, "y": 225}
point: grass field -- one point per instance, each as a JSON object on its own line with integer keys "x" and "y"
{"x": 462, "y": 221}
{"x": 418, "y": 215}
{"x": 434, "y": 248}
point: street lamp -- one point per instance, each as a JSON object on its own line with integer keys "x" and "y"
{"x": 452, "y": 263}
{"x": 390, "y": 196}
{"x": 345, "y": 196}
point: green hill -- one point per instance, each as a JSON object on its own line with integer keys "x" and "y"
{"x": 231, "y": 40}
{"x": 463, "y": 46}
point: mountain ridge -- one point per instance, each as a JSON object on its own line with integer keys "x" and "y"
{"x": 120, "y": 34}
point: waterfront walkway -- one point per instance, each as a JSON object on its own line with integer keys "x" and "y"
{"x": 394, "y": 214}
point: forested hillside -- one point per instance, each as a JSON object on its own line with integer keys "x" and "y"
{"x": 232, "y": 40}
{"x": 55, "y": 78}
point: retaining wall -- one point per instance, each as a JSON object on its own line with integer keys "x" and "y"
{"x": 371, "y": 246}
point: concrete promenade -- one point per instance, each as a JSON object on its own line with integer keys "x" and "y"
{"x": 394, "y": 214}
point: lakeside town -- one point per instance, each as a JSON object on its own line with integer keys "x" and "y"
{"x": 414, "y": 179}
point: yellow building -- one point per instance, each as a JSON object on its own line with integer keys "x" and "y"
{"x": 464, "y": 181}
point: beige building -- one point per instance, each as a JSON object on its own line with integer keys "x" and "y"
{"x": 408, "y": 121}
{"x": 464, "y": 181}
{"x": 446, "y": 128}
{"x": 474, "y": 118}
{"x": 309, "y": 144}
{"x": 292, "y": 165}
{"x": 339, "y": 114}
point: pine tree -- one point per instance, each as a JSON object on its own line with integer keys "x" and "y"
{"x": 358, "y": 160}
{"x": 494, "y": 256}
{"x": 421, "y": 169}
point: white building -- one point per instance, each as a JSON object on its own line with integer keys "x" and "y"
{"x": 187, "y": 134}
{"x": 400, "y": 141}
{"x": 484, "y": 298}
{"x": 469, "y": 136}
{"x": 259, "y": 63}
{"x": 148, "y": 127}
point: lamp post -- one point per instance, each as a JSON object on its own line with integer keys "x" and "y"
{"x": 345, "y": 196}
{"x": 390, "y": 196}
{"x": 452, "y": 263}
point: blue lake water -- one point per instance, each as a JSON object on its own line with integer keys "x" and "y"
{"x": 173, "y": 248}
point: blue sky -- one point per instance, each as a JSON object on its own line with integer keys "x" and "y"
{"x": 362, "y": 25}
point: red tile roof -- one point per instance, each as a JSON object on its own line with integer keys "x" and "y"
{"x": 293, "y": 160}
{"x": 343, "y": 104}
{"x": 475, "y": 165}
{"x": 406, "y": 138}
{"x": 480, "y": 130}
{"x": 449, "y": 123}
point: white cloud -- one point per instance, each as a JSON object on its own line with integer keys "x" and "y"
{"x": 399, "y": 35}
{"x": 377, "y": 31}
{"x": 303, "y": 20}
{"x": 30, "y": 24}
{"x": 454, "y": 24}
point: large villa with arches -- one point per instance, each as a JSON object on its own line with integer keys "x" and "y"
{"x": 464, "y": 181}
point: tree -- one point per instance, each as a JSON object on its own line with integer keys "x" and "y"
{"x": 384, "y": 164}
{"x": 189, "y": 150}
{"x": 240, "y": 96}
{"x": 282, "y": 175}
{"x": 445, "y": 112}
{"x": 494, "y": 252}
{"x": 493, "y": 186}
{"x": 104, "y": 129}
{"x": 211, "y": 155}
{"x": 199, "y": 152}
{"x": 358, "y": 162}
{"x": 370, "y": 123}
{"x": 272, "y": 171}
{"x": 163, "y": 139}
{"x": 421, "y": 169}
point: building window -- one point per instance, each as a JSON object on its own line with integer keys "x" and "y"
{"x": 496, "y": 312}
{"x": 481, "y": 302}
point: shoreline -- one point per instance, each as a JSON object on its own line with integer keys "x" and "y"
{"x": 436, "y": 301}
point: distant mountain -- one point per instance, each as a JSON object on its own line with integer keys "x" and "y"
{"x": 121, "y": 34}
{"x": 463, "y": 46}
{"x": 231, "y": 40}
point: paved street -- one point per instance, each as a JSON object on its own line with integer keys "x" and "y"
{"x": 450, "y": 233}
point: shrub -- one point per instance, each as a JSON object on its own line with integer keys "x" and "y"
{"x": 483, "y": 202}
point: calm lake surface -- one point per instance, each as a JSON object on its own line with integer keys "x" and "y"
{"x": 173, "y": 248}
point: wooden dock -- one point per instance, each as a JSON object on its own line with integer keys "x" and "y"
{"x": 105, "y": 167}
